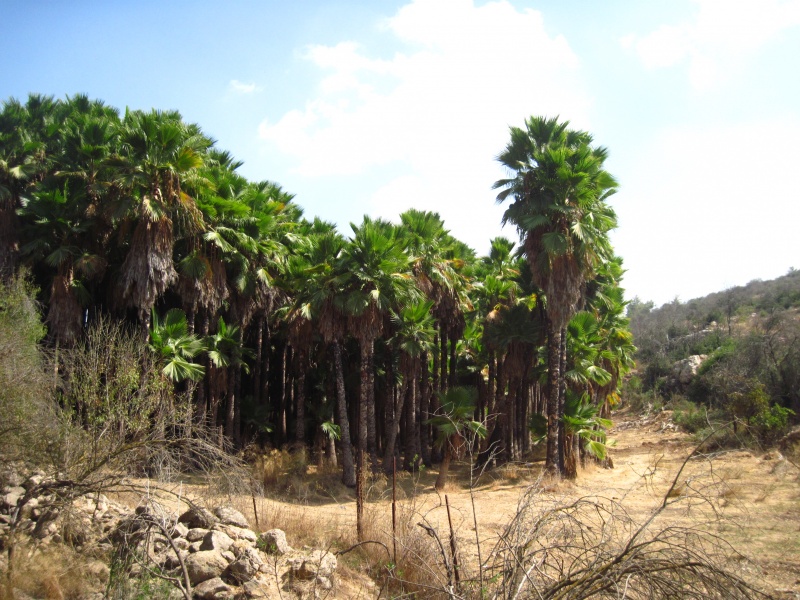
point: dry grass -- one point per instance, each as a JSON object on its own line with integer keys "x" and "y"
{"x": 55, "y": 572}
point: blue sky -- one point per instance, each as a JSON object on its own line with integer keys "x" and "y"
{"x": 375, "y": 107}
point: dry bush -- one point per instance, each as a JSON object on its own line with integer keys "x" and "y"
{"x": 593, "y": 548}
{"x": 55, "y": 572}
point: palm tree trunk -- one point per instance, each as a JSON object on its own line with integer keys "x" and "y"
{"x": 264, "y": 395}
{"x": 552, "y": 463}
{"x": 371, "y": 425}
{"x": 284, "y": 433}
{"x": 237, "y": 406}
{"x": 393, "y": 425}
{"x": 443, "y": 364}
{"x": 259, "y": 356}
{"x": 348, "y": 468}
{"x": 300, "y": 400}
{"x": 230, "y": 413}
{"x": 453, "y": 363}
{"x": 411, "y": 451}
{"x": 425, "y": 409}
{"x": 364, "y": 396}
{"x": 444, "y": 468}
{"x": 562, "y": 395}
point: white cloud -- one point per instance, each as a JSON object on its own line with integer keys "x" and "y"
{"x": 238, "y": 87}
{"x": 721, "y": 35}
{"x": 438, "y": 111}
{"x": 722, "y": 212}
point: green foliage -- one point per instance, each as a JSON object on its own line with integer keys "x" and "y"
{"x": 25, "y": 388}
{"x": 455, "y": 416}
{"x": 771, "y": 423}
{"x": 171, "y": 342}
{"x": 689, "y": 416}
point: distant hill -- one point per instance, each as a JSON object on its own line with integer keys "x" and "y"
{"x": 730, "y": 357}
{"x": 661, "y": 330}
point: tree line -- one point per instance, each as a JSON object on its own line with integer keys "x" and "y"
{"x": 282, "y": 330}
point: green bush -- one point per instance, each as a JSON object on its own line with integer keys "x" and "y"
{"x": 771, "y": 423}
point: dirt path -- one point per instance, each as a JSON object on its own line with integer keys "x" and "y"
{"x": 751, "y": 500}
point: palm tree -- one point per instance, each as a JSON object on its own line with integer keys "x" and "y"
{"x": 375, "y": 276}
{"x": 413, "y": 336}
{"x": 175, "y": 347}
{"x": 158, "y": 153}
{"x": 452, "y": 422}
{"x": 558, "y": 192}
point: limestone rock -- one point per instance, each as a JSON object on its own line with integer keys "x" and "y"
{"x": 240, "y": 570}
{"x": 179, "y": 530}
{"x": 318, "y": 566}
{"x": 237, "y": 533}
{"x": 196, "y": 534}
{"x": 204, "y": 565}
{"x": 12, "y": 496}
{"x": 213, "y": 589}
{"x": 684, "y": 370}
{"x": 274, "y": 542}
{"x": 198, "y": 517}
{"x": 230, "y": 516}
{"x": 216, "y": 540}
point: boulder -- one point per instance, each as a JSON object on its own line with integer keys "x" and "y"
{"x": 274, "y": 542}
{"x": 196, "y": 534}
{"x": 12, "y": 496}
{"x": 230, "y": 516}
{"x": 240, "y": 570}
{"x": 179, "y": 530}
{"x": 198, "y": 517}
{"x": 237, "y": 533}
{"x": 319, "y": 562}
{"x": 216, "y": 540}
{"x": 256, "y": 589}
{"x": 684, "y": 370}
{"x": 213, "y": 589}
{"x": 318, "y": 566}
{"x": 205, "y": 565}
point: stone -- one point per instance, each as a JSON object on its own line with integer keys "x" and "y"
{"x": 237, "y": 533}
{"x": 196, "y": 534}
{"x": 181, "y": 544}
{"x": 684, "y": 370}
{"x": 255, "y": 589}
{"x": 204, "y": 565}
{"x": 12, "y": 496}
{"x": 230, "y": 516}
{"x": 317, "y": 564}
{"x": 179, "y": 530}
{"x": 213, "y": 589}
{"x": 198, "y": 517}
{"x": 171, "y": 560}
{"x": 216, "y": 540}
{"x": 274, "y": 542}
{"x": 240, "y": 570}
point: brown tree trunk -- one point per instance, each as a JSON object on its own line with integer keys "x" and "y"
{"x": 552, "y": 463}
{"x": 424, "y": 394}
{"x": 300, "y": 400}
{"x": 348, "y": 468}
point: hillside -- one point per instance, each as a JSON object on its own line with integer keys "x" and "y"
{"x": 730, "y": 357}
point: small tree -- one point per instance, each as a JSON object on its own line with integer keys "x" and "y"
{"x": 453, "y": 423}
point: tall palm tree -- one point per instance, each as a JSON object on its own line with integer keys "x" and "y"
{"x": 158, "y": 153}
{"x": 413, "y": 337}
{"x": 375, "y": 276}
{"x": 558, "y": 190}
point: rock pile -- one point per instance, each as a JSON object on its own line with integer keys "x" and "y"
{"x": 212, "y": 554}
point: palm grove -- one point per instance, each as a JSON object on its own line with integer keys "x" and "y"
{"x": 394, "y": 343}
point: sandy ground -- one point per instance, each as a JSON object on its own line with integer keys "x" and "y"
{"x": 750, "y": 499}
